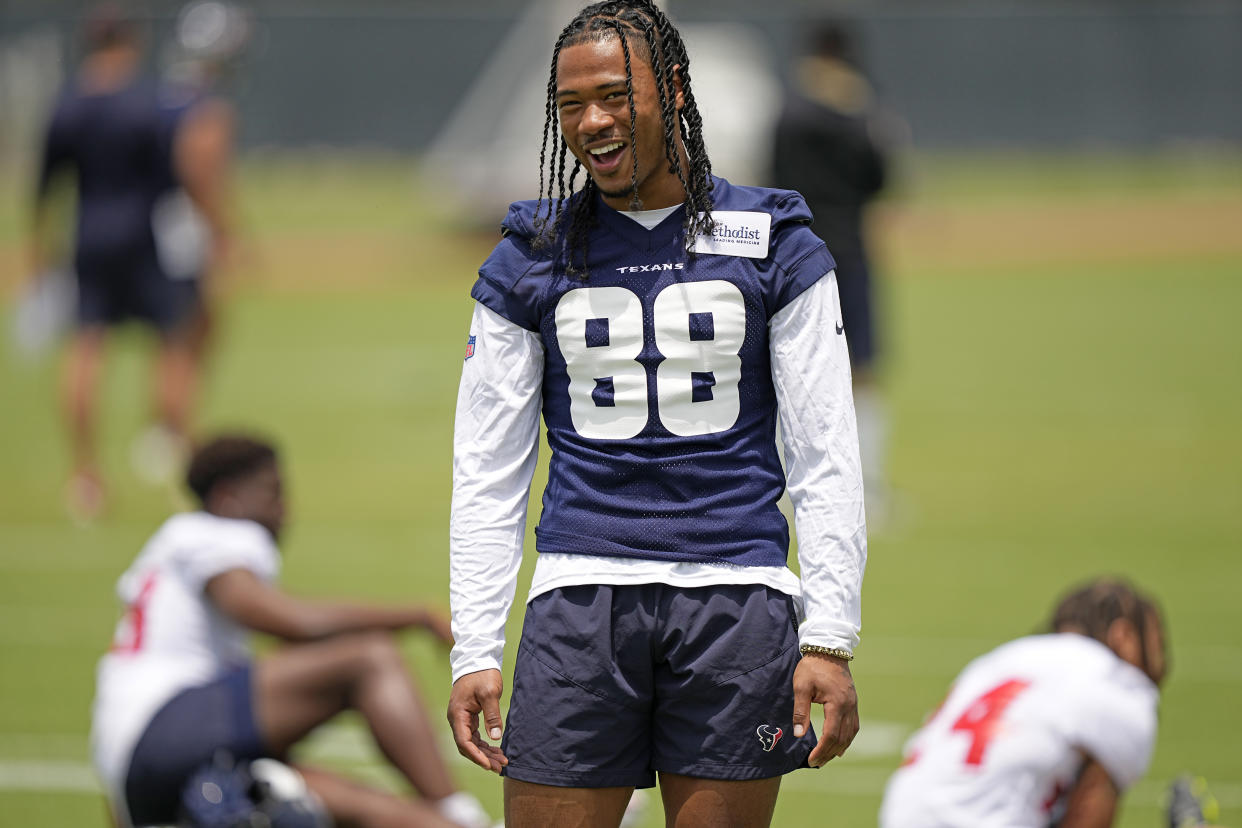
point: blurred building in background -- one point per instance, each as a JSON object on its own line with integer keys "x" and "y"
{"x": 421, "y": 75}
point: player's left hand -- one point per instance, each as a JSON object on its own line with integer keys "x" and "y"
{"x": 473, "y": 695}
{"x": 826, "y": 680}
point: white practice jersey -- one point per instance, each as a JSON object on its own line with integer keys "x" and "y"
{"x": 171, "y": 637}
{"x": 1006, "y": 746}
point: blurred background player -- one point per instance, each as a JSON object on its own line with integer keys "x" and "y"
{"x": 179, "y": 684}
{"x": 1048, "y": 729}
{"x": 193, "y": 218}
{"x": 126, "y": 151}
{"x": 827, "y": 145}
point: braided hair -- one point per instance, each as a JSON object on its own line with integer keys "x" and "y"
{"x": 645, "y": 33}
{"x": 1091, "y": 609}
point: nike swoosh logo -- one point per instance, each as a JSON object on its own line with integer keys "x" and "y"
{"x": 840, "y": 328}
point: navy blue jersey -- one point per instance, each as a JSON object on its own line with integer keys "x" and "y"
{"x": 116, "y": 144}
{"x": 657, "y": 389}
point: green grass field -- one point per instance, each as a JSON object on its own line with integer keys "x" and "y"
{"x": 1063, "y": 372}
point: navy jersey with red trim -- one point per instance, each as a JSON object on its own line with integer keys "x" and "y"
{"x": 657, "y": 389}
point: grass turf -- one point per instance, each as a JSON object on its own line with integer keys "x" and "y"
{"x": 1062, "y": 373}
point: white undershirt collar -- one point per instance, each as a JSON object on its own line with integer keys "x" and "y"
{"x": 650, "y": 218}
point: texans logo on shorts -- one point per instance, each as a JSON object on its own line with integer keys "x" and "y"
{"x": 470, "y": 347}
{"x": 768, "y": 736}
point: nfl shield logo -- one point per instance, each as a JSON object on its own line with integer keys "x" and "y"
{"x": 470, "y": 347}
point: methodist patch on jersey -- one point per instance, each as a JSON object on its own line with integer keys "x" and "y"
{"x": 737, "y": 234}
{"x": 470, "y": 346}
{"x": 768, "y": 736}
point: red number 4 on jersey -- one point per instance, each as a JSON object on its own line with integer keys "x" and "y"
{"x": 982, "y": 718}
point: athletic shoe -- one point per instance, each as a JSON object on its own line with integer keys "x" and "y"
{"x": 1190, "y": 804}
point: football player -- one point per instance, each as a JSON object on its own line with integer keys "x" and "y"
{"x": 108, "y": 130}
{"x": 1046, "y": 730}
{"x": 193, "y": 218}
{"x": 180, "y": 686}
{"x": 831, "y": 142}
{"x": 663, "y": 319}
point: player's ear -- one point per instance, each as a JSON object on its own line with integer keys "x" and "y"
{"x": 679, "y": 96}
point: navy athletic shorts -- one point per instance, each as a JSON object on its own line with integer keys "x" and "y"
{"x": 855, "y": 291}
{"x": 616, "y": 683}
{"x": 112, "y": 290}
{"x": 186, "y": 733}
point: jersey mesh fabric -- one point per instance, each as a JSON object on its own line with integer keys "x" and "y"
{"x": 685, "y": 492}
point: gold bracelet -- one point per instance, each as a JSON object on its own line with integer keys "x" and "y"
{"x": 835, "y": 652}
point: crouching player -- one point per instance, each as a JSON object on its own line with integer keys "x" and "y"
{"x": 1045, "y": 730}
{"x": 179, "y": 685}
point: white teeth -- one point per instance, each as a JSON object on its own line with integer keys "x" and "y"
{"x": 606, "y": 148}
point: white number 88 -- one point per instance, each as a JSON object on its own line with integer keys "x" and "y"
{"x": 699, "y": 329}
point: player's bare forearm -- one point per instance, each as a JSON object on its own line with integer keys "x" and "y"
{"x": 203, "y": 156}
{"x": 1093, "y": 801}
{"x": 826, "y": 680}
{"x": 314, "y": 620}
{"x": 259, "y": 606}
{"x": 334, "y": 618}
{"x": 476, "y": 694}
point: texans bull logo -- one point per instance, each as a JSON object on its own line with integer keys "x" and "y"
{"x": 769, "y": 736}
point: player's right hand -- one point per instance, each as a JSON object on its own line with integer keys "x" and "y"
{"x": 472, "y": 694}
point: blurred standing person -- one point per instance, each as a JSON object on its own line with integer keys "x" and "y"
{"x": 193, "y": 218}
{"x": 107, "y": 129}
{"x": 827, "y": 146}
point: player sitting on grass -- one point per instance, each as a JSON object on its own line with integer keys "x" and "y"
{"x": 179, "y": 684}
{"x": 1045, "y": 730}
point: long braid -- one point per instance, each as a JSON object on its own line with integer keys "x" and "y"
{"x": 690, "y": 124}
{"x": 644, "y": 23}
{"x": 635, "y": 202}
{"x": 549, "y": 131}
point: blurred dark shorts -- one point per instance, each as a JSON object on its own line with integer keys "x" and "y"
{"x": 186, "y": 733}
{"x": 114, "y": 289}
{"x": 857, "y": 313}
{"x": 616, "y": 683}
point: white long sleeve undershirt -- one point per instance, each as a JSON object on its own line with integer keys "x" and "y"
{"x": 496, "y": 445}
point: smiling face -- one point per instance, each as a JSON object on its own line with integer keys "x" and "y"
{"x": 594, "y": 108}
